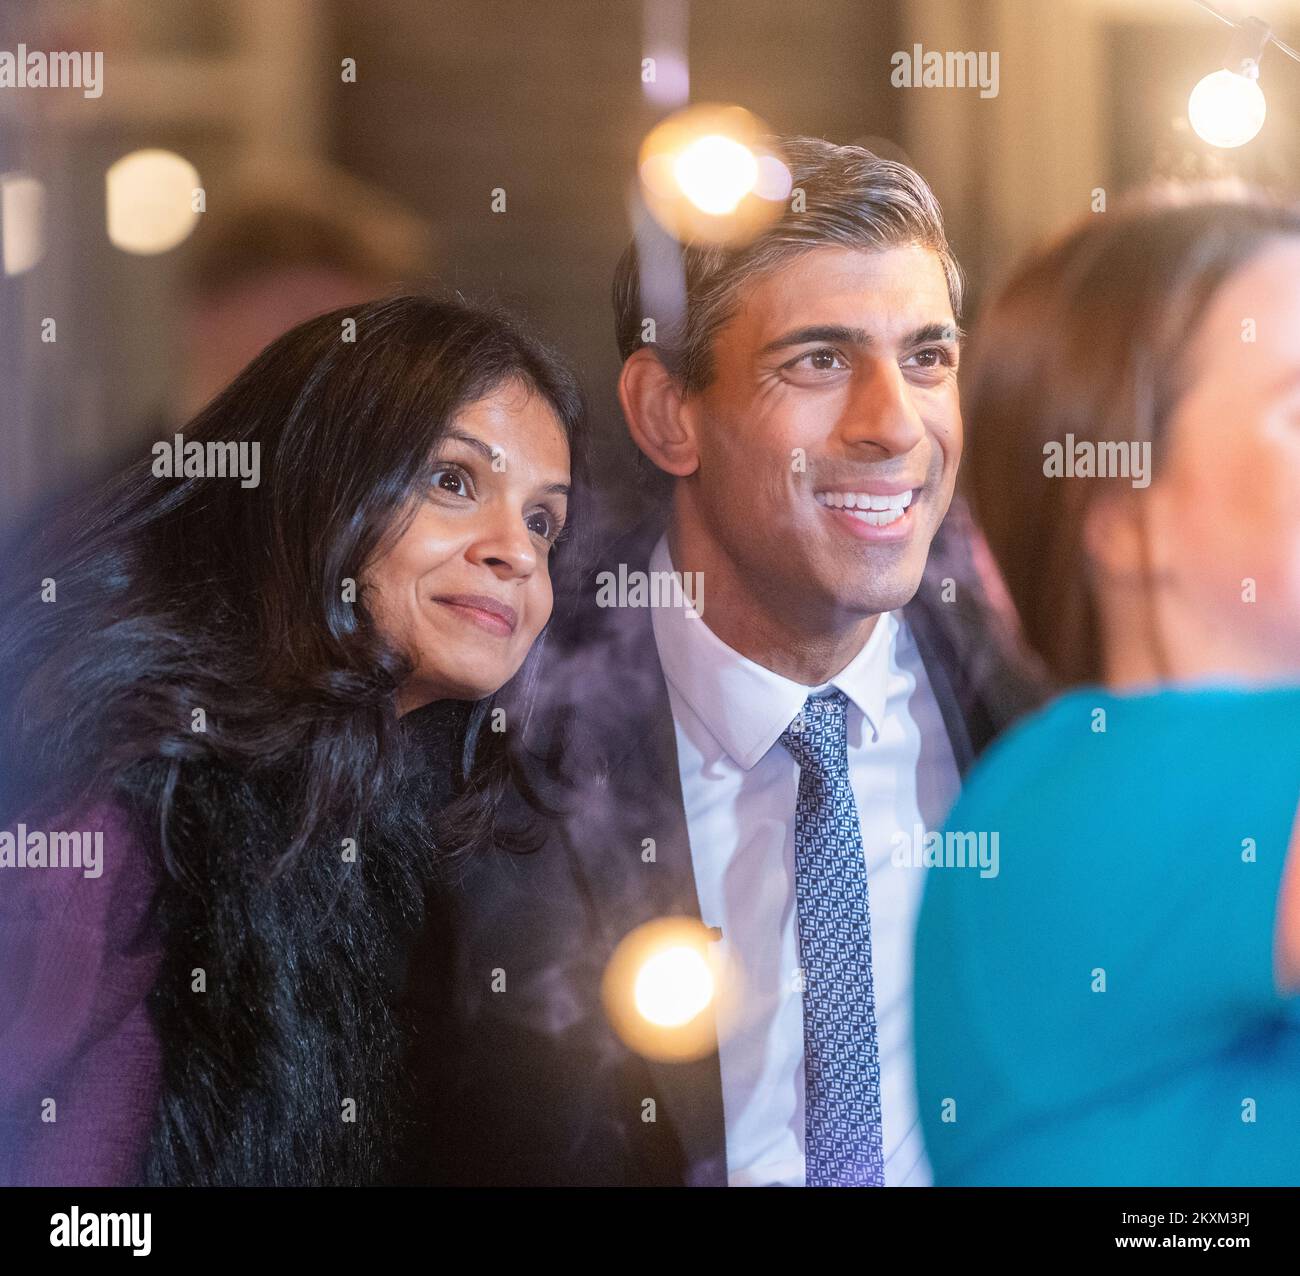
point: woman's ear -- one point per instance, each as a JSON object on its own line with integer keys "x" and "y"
{"x": 1113, "y": 536}
{"x": 657, "y": 417}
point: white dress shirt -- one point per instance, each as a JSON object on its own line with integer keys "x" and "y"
{"x": 739, "y": 786}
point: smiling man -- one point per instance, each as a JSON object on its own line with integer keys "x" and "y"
{"x": 752, "y": 767}
{"x": 810, "y": 418}
{"x": 816, "y": 457}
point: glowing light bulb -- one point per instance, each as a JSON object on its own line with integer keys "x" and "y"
{"x": 673, "y": 986}
{"x": 715, "y": 173}
{"x": 151, "y": 201}
{"x": 1227, "y": 109}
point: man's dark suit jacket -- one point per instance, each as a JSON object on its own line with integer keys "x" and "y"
{"x": 521, "y": 1080}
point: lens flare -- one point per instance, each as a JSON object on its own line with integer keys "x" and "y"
{"x": 712, "y": 174}
{"x": 669, "y": 991}
{"x": 673, "y": 986}
{"x": 22, "y": 222}
{"x": 715, "y": 173}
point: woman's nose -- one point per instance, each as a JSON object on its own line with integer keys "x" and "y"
{"x": 505, "y": 544}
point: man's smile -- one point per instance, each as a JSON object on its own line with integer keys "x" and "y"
{"x": 875, "y": 512}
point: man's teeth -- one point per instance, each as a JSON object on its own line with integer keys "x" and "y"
{"x": 870, "y": 507}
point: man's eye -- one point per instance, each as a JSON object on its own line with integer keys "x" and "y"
{"x": 824, "y": 360}
{"x": 451, "y": 479}
{"x": 934, "y": 357}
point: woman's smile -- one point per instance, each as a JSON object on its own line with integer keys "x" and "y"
{"x": 482, "y": 610}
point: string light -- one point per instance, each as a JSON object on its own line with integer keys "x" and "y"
{"x": 1227, "y": 108}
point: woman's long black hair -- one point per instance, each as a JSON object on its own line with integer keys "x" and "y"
{"x": 172, "y": 596}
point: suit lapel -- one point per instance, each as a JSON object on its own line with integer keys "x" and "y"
{"x": 937, "y": 669}
{"x": 627, "y": 765}
{"x": 691, "y": 1093}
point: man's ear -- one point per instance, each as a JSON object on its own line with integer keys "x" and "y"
{"x": 657, "y": 418}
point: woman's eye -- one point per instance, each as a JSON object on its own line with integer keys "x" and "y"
{"x": 452, "y": 480}
{"x": 545, "y": 525}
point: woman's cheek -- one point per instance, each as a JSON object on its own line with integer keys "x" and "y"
{"x": 541, "y": 603}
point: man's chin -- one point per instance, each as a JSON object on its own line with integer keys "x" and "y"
{"x": 887, "y": 577}
{"x": 874, "y": 596}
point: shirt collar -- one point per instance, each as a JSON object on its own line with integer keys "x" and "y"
{"x": 745, "y": 706}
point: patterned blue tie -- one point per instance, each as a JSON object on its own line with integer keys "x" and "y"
{"x": 842, "y": 1124}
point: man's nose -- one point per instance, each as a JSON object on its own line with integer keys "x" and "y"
{"x": 880, "y": 414}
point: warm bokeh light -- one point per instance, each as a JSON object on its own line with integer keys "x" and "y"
{"x": 668, "y": 988}
{"x": 22, "y": 221}
{"x": 710, "y": 173}
{"x": 1227, "y": 109}
{"x": 673, "y": 986}
{"x": 150, "y": 201}
{"x": 715, "y": 173}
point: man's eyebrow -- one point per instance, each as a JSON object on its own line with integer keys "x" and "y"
{"x": 819, "y": 332}
{"x": 939, "y": 331}
{"x": 935, "y": 332}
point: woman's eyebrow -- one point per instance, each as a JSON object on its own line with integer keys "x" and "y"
{"x": 470, "y": 441}
{"x": 491, "y": 453}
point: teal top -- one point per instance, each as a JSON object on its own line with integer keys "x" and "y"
{"x": 1097, "y": 1004}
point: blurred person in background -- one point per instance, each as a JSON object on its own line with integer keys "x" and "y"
{"x": 248, "y": 701}
{"x": 283, "y": 248}
{"x": 1114, "y": 1003}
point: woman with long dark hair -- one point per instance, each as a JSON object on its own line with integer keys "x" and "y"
{"x": 1110, "y": 997}
{"x": 247, "y": 714}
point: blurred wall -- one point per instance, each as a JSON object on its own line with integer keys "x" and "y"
{"x": 543, "y": 99}
{"x": 1093, "y": 94}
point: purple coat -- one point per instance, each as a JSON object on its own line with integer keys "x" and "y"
{"x": 78, "y": 957}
